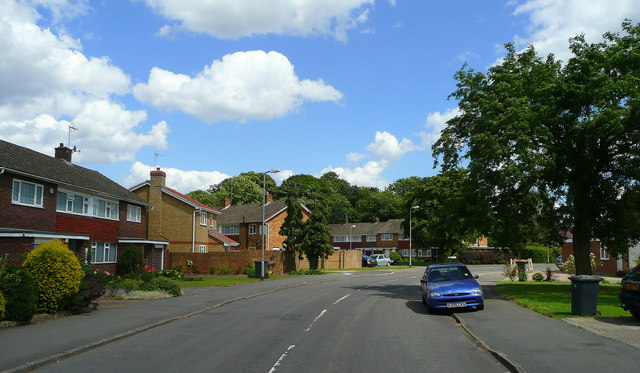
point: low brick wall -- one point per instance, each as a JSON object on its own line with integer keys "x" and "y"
{"x": 237, "y": 261}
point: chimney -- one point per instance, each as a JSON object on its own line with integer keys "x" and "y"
{"x": 158, "y": 178}
{"x": 62, "y": 152}
{"x": 227, "y": 202}
{"x": 376, "y": 220}
{"x": 268, "y": 198}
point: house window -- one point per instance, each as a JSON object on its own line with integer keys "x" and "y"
{"x": 402, "y": 237}
{"x": 229, "y": 229}
{"x": 604, "y": 255}
{"x": 387, "y": 237}
{"x": 252, "y": 229}
{"x": 203, "y": 248}
{"x": 103, "y": 252}
{"x": 70, "y": 202}
{"x": 356, "y": 238}
{"x": 134, "y": 213}
{"x": 203, "y": 218}
{"x": 28, "y": 194}
{"x": 105, "y": 209}
{"x": 371, "y": 238}
{"x": 424, "y": 253}
{"x": 339, "y": 238}
{"x": 211, "y": 221}
{"x": 404, "y": 252}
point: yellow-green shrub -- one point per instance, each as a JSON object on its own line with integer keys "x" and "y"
{"x": 57, "y": 273}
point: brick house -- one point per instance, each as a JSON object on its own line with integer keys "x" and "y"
{"x": 44, "y": 198}
{"x": 243, "y": 223}
{"x": 188, "y": 225}
{"x": 377, "y": 238}
{"x": 605, "y": 263}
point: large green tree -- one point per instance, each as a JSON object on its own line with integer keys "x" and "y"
{"x": 539, "y": 133}
{"x": 316, "y": 238}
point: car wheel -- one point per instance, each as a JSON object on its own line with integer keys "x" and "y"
{"x": 480, "y": 308}
{"x": 424, "y": 300}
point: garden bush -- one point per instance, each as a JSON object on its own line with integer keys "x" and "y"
{"x": 130, "y": 284}
{"x": 56, "y": 272}
{"x": 20, "y": 294}
{"x": 395, "y": 256}
{"x": 538, "y": 277}
{"x": 483, "y": 256}
{"x": 1, "y": 306}
{"x": 161, "y": 284}
{"x": 212, "y": 270}
{"x": 225, "y": 270}
{"x": 113, "y": 284}
{"x": 522, "y": 276}
{"x": 510, "y": 271}
{"x": 92, "y": 287}
{"x": 538, "y": 253}
{"x": 570, "y": 265}
{"x": 306, "y": 272}
{"x": 130, "y": 260}
{"x": 250, "y": 271}
{"x": 173, "y": 273}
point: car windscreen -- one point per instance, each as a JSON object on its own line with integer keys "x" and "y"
{"x": 449, "y": 274}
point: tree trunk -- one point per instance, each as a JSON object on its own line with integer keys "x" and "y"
{"x": 313, "y": 262}
{"x": 582, "y": 237}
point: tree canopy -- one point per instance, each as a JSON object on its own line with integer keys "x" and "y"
{"x": 543, "y": 137}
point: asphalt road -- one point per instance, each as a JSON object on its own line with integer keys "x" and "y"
{"x": 359, "y": 322}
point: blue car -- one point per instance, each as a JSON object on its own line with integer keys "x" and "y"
{"x": 450, "y": 286}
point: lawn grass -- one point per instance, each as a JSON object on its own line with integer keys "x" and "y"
{"x": 222, "y": 281}
{"x": 553, "y": 299}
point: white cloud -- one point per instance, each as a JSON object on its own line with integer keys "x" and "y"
{"x": 241, "y": 86}
{"x": 435, "y": 123}
{"x": 355, "y": 157}
{"x": 180, "y": 180}
{"x": 282, "y": 176}
{"x": 370, "y": 174}
{"x": 45, "y": 80}
{"x": 240, "y": 18}
{"x": 388, "y": 150}
{"x": 553, "y": 22}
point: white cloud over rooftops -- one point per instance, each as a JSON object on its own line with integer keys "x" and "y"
{"x": 240, "y": 86}
{"x": 181, "y": 180}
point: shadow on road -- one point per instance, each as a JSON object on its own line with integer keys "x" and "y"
{"x": 622, "y": 321}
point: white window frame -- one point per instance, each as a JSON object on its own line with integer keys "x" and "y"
{"x": 383, "y": 236}
{"x": 203, "y": 218}
{"x": 71, "y": 200}
{"x": 356, "y": 239}
{"x": 340, "y": 239}
{"x": 604, "y": 254}
{"x": 203, "y": 249}
{"x": 371, "y": 238}
{"x": 211, "y": 221}
{"x": 108, "y": 249}
{"x": 16, "y": 195}
{"x": 252, "y": 229}
{"x": 229, "y": 230}
{"x": 110, "y": 208}
{"x": 424, "y": 252}
{"x": 404, "y": 252}
{"x": 134, "y": 213}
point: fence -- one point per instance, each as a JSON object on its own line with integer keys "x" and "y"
{"x": 279, "y": 261}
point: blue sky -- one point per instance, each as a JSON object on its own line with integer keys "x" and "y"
{"x": 359, "y": 87}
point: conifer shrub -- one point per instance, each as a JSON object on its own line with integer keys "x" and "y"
{"x": 20, "y": 294}
{"x": 56, "y": 272}
{"x": 130, "y": 260}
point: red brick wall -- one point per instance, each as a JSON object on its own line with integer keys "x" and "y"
{"x": 99, "y": 230}
{"x": 129, "y": 228}
{"x": 26, "y": 217}
{"x": 16, "y": 248}
{"x": 603, "y": 266}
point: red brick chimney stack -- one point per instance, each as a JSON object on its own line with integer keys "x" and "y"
{"x": 62, "y": 152}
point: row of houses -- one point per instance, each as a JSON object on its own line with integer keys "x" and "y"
{"x": 44, "y": 198}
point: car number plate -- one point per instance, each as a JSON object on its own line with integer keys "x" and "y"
{"x": 456, "y": 304}
{"x": 631, "y": 286}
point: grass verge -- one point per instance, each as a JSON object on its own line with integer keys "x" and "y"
{"x": 222, "y": 281}
{"x": 553, "y": 299}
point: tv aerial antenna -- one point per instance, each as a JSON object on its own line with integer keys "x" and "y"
{"x": 155, "y": 158}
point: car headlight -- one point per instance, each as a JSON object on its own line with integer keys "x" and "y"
{"x": 432, "y": 294}
{"x": 476, "y": 291}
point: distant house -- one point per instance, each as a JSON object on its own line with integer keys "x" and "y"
{"x": 377, "y": 238}
{"x": 605, "y": 263}
{"x": 187, "y": 225}
{"x": 44, "y": 198}
{"x": 243, "y": 223}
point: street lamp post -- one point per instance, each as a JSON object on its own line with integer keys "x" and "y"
{"x": 410, "y": 238}
{"x": 352, "y": 226}
{"x": 264, "y": 202}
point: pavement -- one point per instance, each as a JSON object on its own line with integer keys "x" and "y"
{"x": 514, "y": 335}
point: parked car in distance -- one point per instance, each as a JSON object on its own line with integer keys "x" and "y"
{"x": 368, "y": 261}
{"x": 382, "y": 259}
{"x": 449, "y": 286}
{"x": 559, "y": 262}
{"x": 630, "y": 292}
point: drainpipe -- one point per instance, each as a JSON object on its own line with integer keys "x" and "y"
{"x": 193, "y": 235}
